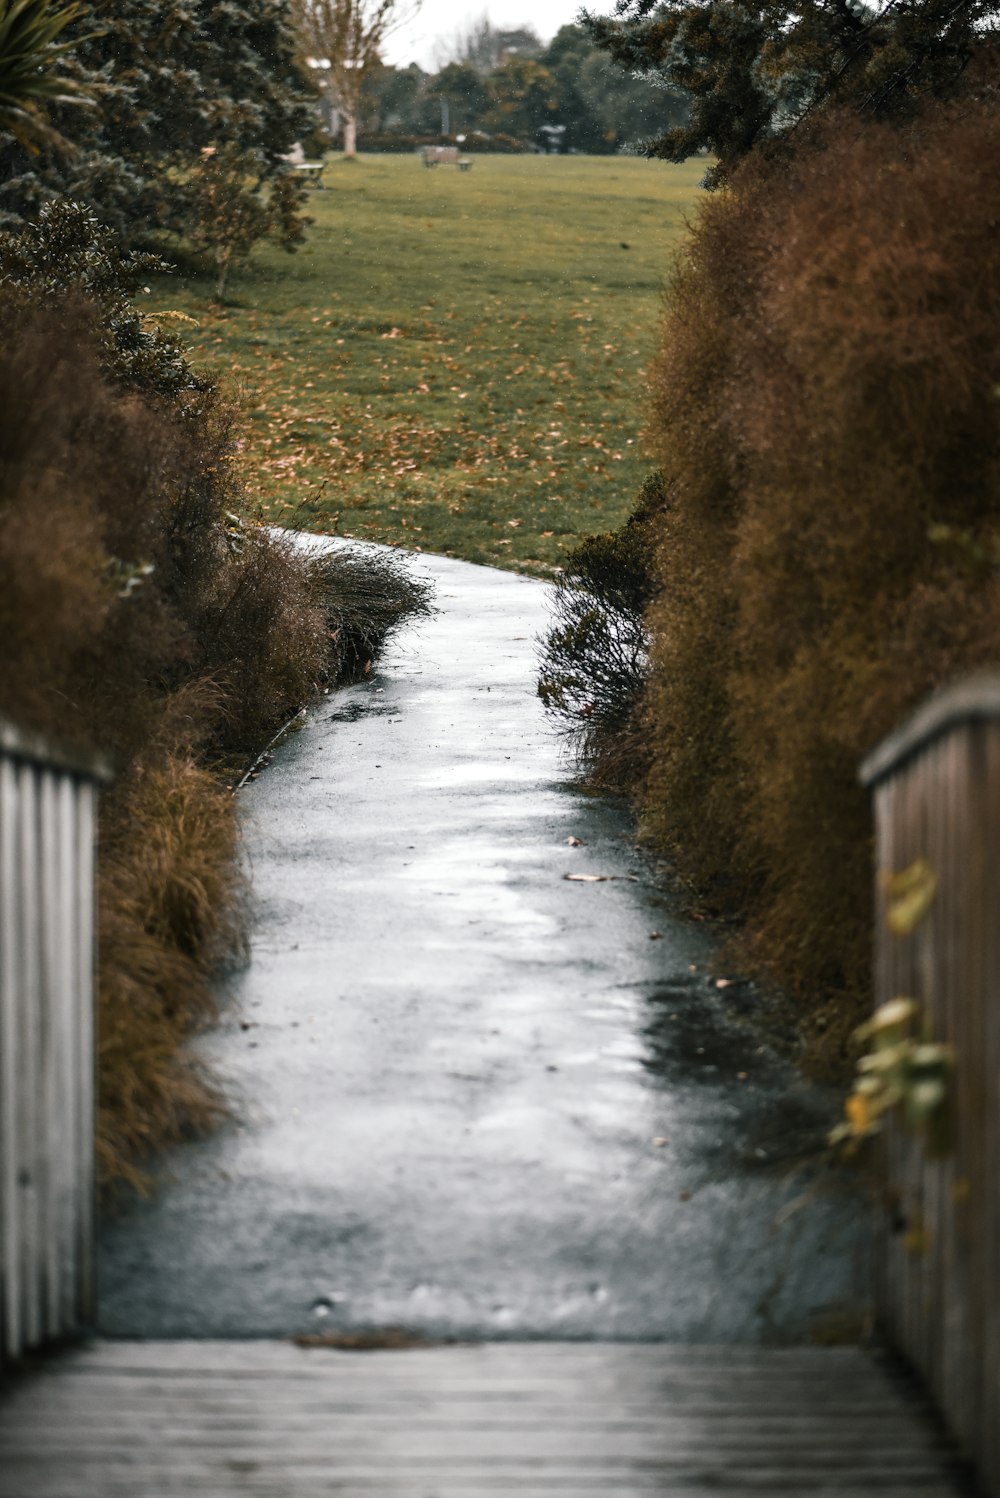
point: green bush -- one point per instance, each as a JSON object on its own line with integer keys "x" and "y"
{"x": 825, "y": 399}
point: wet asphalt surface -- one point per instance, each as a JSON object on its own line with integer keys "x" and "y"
{"x": 471, "y": 1097}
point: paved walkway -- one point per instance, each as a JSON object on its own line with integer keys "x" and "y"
{"x": 477, "y": 1098}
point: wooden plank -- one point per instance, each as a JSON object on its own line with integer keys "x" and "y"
{"x": 544, "y": 1418}
{"x": 973, "y": 700}
{"x": 21, "y": 1480}
{"x": 49, "y": 1130}
{"x": 18, "y": 745}
{"x": 273, "y": 1429}
{"x": 987, "y": 1220}
{"x": 28, "y": 1021}
{"x": 264, "y": 1353}
{"x": 72, "y": 1484}
{"x": 938, "y": 795}
{"x": 86, "y": 1051}
{"x": 67, "y": 1000}
{"x": 46, "y": 1040}
{"x": 10, "y": 1067}
{"x": 256, "y": 1358}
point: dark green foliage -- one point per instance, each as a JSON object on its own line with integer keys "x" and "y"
{"x": 605, "y": 106}
{"x": 595, "y": 656}
{"x": 32, "y": 75}
{"x": 231, "y": 208}
{"x": 168, "y": 80}
{"x": 753, "y": 70}
{"x": 67, "y": 255}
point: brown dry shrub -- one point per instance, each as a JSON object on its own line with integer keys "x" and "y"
{"x": 827, "y": 393}
{"x": 169, "y": 914}
{"x": 140, "y": 616}
{"x": 262, "y": 637}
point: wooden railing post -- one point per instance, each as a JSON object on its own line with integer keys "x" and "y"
{"x": 47, "y": 1041}
{"x": 936, "y": 789}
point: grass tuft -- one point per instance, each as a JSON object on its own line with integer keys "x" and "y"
{"x": 595, "y": 656}
{"x": 366, "y": 598}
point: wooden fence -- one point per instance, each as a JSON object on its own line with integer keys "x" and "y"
{"x": 936, "y": 785}
{"x": 47, "y": 834}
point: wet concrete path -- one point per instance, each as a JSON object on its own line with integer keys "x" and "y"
{"x": 474, "y": 1098}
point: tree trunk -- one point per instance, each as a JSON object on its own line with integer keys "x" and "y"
{"x": 350, "y": 120}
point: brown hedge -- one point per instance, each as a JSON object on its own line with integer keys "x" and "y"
{"x": 140, "y": 616}
{"x": 826, "y": 396}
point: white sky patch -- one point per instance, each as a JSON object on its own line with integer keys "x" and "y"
{"x": 427, "y": 38}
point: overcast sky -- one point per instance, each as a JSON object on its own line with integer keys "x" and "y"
{"x": 439, "y": 20}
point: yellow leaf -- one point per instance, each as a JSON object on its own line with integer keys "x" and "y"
{"x": 859, "y": 1113}
{"x": 909, "y": 895}
{"x": 896, "y": 1013}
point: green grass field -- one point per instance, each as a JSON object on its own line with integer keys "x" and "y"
{"x": 455, "y": 360}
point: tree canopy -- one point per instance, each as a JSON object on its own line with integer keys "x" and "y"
{"x": 752, "y": 71}
{"x": 168, "y": 78}
{"x": 508, "y": 84}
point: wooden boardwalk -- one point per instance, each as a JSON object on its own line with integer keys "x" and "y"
{"x": 535, "y": 1420}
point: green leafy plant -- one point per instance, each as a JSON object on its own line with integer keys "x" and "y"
{"x": 903, "y": 1070}
{"x": 32, "y": 76}
{"x": 234, "y": 207}
{"x": 66, "y": 254}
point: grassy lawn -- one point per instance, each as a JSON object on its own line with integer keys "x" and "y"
{"x": 454, "y": 362}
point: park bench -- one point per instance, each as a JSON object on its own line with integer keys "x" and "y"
{"x": 450, "y": 155}
{"x": 312, "y": 171}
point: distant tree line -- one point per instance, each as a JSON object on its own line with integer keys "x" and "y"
{"x": 566, "y": 95}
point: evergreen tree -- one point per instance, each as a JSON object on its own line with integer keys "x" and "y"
{"x": 753, "y": 70}
{"x": 169, "y": 78}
